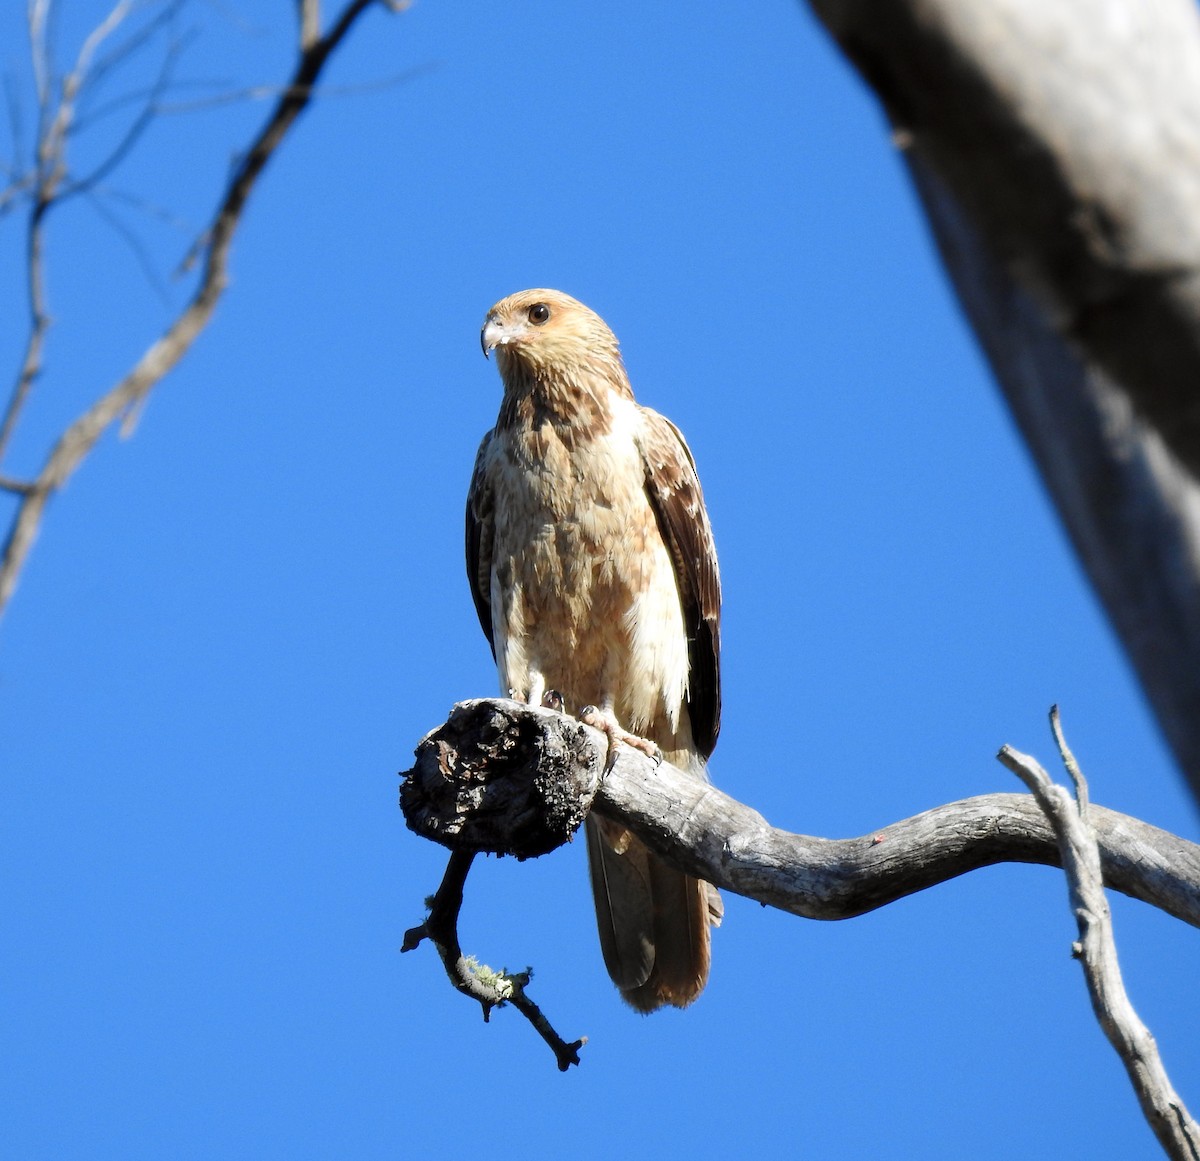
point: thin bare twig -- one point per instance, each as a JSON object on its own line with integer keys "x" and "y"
{"x": 310, "y": 23}
{"x": 39, "y": 321}
{"x": 146, "y": 208}
{"x": 324, "y": 92}
{"x": 17, "y": 487}
{"x": 108, "y": 64}
{"x": 135, "y": 245}
{"x": 54, "y": 126}
{"x": 52, "y": 141}
{"x": 161, "y": 356}
{"x": 137, "y": 127}
{"x": 20, "y": 180}
{"x": 1096, "y": 949}
{"x": 36, "y": 13}
{"x": 12, "y": 193}
{"x": 491, "y": 989}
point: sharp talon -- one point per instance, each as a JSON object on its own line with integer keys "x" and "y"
{"x": 552, "y": 699}
{"x": 590, "y": 715}
{"x": 607, "y": 724}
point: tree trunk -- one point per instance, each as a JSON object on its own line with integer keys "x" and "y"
{"x": 1056, "y": 149}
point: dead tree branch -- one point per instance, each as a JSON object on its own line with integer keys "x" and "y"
{"x": 1096, "y": 949}
{"x": 709, "y": 834}
{"x": 717, "y": 838}
{"x": 1056, "y": 149}
{"x": 212, "y": 252}
{"x": 492, "y": 989}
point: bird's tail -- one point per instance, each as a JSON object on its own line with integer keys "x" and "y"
{"x": 653, "y": 920}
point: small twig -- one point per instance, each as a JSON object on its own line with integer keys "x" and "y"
{"x": 12, "y": 104}
{"x": 136, "y": 247}
{"x": 310, "y": 23}
{"x": 109, "y": 63}
{"x": 146, "y": 208}
{"x": 491, "y": 989}
{"x": 1071, "y": 765}
{"x": 50, "y": 170}
{"x": 1096, "y": 949}
{"x": 136, "y": 128}
{"x": 39, "y": 322}
{"x": 12, "y": 193}
{"x": 324, "y": 92}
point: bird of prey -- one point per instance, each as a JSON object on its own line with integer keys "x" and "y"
{"x": 592, "y": 565}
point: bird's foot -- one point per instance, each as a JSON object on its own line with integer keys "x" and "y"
{"x": 552, "y": 699}
{"x": 607, "y": 724}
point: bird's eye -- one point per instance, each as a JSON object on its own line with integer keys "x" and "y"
{"x": 539, "y": 313}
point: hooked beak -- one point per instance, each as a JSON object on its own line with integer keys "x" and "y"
{"x": 497, "y": 334}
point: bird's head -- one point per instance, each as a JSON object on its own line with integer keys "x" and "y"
{"x": 544, "y": 335}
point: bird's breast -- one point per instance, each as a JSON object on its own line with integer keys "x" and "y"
{"x": 583, "y": 588}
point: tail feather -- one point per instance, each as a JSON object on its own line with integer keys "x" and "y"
{"x": 653, "y": 920}
{"x": 624, "y": 900}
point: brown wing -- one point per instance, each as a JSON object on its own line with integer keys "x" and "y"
{"x": 674, "y": 490}
{"x": 479, "y": 542}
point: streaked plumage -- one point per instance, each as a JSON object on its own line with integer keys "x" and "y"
{"x": 593, "y": 570}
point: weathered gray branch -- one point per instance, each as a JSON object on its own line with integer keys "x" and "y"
{"x": 706, "y": 832}
{"x": 1162, "y": 1106}
{"x": 457, "y": 795}
{"x": 1056, "y": 147}
{"x": 213, "y": 252}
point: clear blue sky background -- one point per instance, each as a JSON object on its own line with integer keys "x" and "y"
{"x": 238, "y": 623}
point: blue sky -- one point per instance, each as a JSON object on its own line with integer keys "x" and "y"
{"x": 239, "y": 622}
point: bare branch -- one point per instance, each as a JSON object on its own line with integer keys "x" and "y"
{"x": 52, "y": 141}
{"x": 106, "y": 65}
{"x": 136, "y": 248}
{"x": 137, "y": 127}
{"x": 50, "y": 169}
{"x": 17, "y": 487}
{"x": 717, "y": 838}
{"x": 710, "y": 835}
{"x": 18, "y": 177}
{"x": 36, "y": 13}
{"x": 324, "y": 92}
{"x": 310, "y": 23}
{"x": 147, "y": 208}
{"x": 1054, "y": 147}
{"x": 79, "y": 439}
{"x": 12, "y": 193}
{"x": 1162, "y": 1107}
{"x": 492, "y": 989}
{"x": 39, "y": 322}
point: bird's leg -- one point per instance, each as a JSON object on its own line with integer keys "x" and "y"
{"x": 606, "y": 722}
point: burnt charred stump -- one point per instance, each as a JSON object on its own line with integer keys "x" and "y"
{"x": 502, "y": 777}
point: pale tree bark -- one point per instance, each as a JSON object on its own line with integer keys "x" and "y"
{"x": 49, "y": 180}
{"x": 1056, "y": 148}
{"x": 1096, "y": 949}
